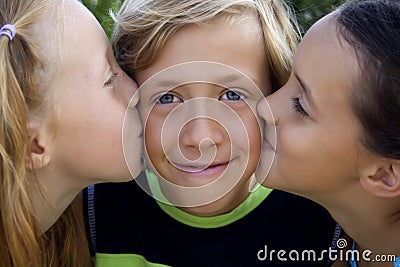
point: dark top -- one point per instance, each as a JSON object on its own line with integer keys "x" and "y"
{"x": 123, "y": 219}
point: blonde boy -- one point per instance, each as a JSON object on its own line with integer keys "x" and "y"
{"x": 194, "y": 61}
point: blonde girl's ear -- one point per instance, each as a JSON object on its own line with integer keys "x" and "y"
{"x": 383, "y": 178}
{"x": 38, "y": 145}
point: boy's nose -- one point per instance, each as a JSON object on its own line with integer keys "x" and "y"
{"x": 201, "y": 139}
{"x": 204, "y": 131}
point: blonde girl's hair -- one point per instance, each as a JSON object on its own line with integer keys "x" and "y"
{"x": 21, "y": 242}
{"x": 143, "y": 26}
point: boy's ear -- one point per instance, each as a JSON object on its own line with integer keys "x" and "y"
{"x": 382, "y": 179}
{"x": 38, "y": 149}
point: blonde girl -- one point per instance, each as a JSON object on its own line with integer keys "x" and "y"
{"x": 62, "y": 102}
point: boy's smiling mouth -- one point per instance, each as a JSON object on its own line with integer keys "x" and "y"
{"x": 203, "y": 170}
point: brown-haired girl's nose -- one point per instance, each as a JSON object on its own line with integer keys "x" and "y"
{"x": 264, "y": 110}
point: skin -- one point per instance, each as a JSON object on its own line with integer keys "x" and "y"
{"x": 318, "y": 153}
{"x": 80, "y": 142}
{"x": 310, "y": 113}
{"x": 242, "y": 49}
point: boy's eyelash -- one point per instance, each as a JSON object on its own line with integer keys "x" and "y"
{"x": 298, "y": 107}
{"x": 238, "y": 93}
{"x": 160, "y": 98}
{"x": 111, "y": 80}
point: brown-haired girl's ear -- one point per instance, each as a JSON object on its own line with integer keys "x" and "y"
{"x": 38, "y": 150}
{"x": 383, "y": 180}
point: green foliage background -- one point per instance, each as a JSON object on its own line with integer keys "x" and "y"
{"x": 307, "y": 11}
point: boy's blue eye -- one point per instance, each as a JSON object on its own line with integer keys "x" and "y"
{"x": 231, "y": 96}
{"x": 168, "y": 99}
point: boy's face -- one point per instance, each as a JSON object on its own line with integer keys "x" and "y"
{"x": 200, "y": 125}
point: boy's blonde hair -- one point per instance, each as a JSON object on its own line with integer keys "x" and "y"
{"x": 143, "y": 26}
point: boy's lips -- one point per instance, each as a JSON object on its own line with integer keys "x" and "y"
{"x": 203, "y": 170}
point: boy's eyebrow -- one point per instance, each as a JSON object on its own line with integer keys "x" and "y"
{"x": 222, "y": 81}
{"x": 235, "y": 77}
{"x": 229, "y": 78}
{"x": 167, "y": 83}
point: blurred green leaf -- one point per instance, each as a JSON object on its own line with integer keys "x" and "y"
{"x": 101, "y": 10}
{"x": 309, "y": 11}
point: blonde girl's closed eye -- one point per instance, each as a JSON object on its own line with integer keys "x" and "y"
{"x": 110, "y": 81}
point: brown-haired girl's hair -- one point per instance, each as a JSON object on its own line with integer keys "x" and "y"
{"x": 142, "y": 28}
{"x": 372, "y": 28}
{"x": 21, "y": 241}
